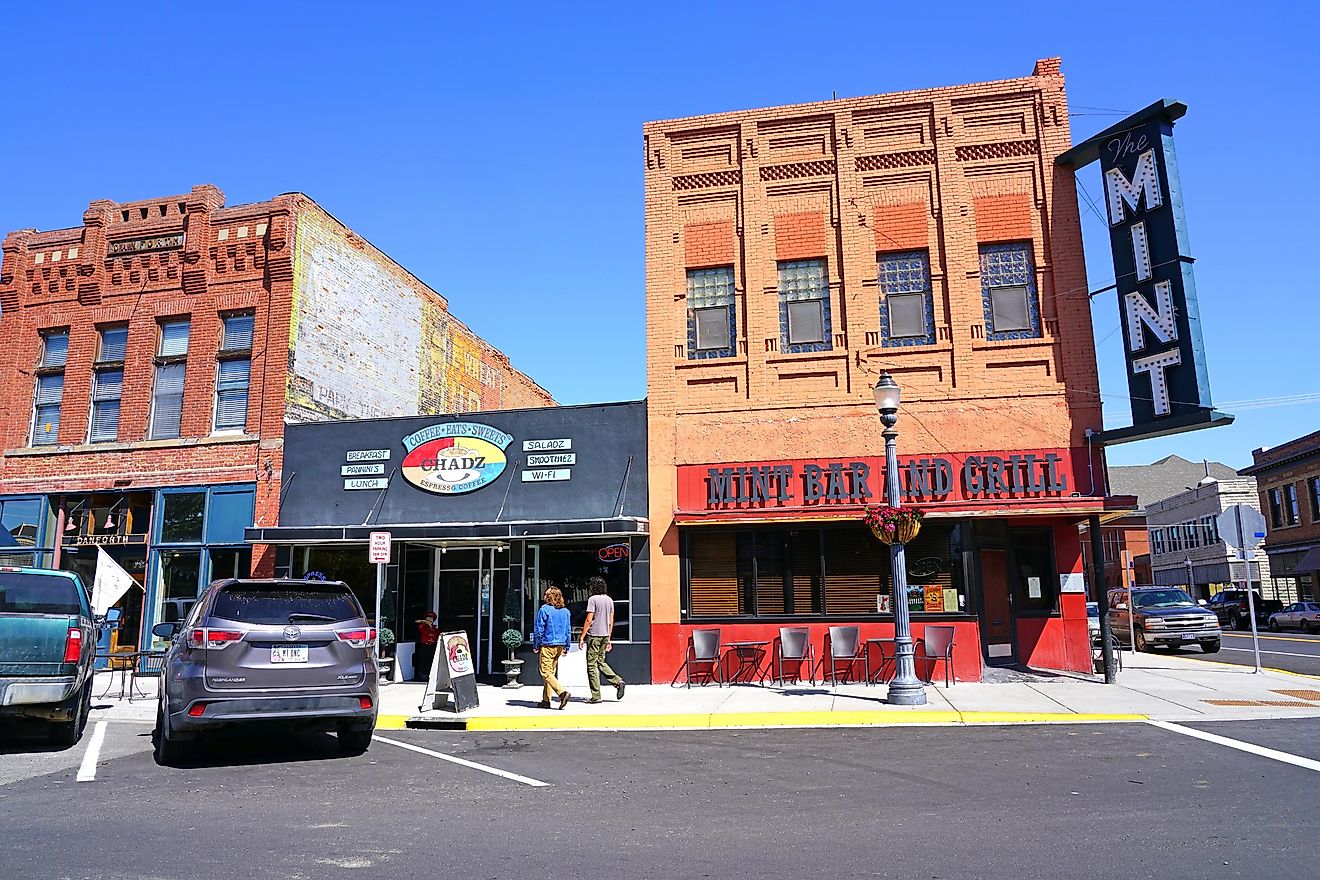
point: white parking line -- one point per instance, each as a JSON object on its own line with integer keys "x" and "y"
{"x": 525, "y": 780}
{"x": 1279, "y": 653}
{"x": 1252, "y": 748}
{"x": 87, "y": 771}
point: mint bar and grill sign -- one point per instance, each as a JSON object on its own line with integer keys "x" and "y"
{"x": 1161, "y": 323}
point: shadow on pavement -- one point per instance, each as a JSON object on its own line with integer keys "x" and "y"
{"x": 261, "y": 746}
{"x": 26, "y": 738}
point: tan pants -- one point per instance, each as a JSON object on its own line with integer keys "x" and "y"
{"x": 549, "y": 657}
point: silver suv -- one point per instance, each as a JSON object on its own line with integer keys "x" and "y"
{"x": 261, "y": 651}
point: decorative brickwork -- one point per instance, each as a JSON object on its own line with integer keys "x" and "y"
{"x": 908, "y": 159}
{"x": 705, "y": 181}
{"x": 997, "y": 151}
{"x": 797, "y": 169}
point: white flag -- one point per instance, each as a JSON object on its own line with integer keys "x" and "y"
{"x": 110, "y": 583}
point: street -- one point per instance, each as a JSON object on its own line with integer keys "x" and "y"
{"x": 1130, "y": 800}
{"x": 1293, "y": 651}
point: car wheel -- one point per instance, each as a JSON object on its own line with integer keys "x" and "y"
{"x": 169, "y": 751}
{"x": 1141, "y": 641}
{"x": 67, "y": 733}
{"x": 354, "y": 740}
{"x": 1308, "y": 627}
{"x": 1240, "y": 623}
{"x": 1274, "y": 625}
{"x": 1210, "y": 647}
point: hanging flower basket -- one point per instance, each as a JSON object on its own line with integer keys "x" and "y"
{"x": 893, "y": 524}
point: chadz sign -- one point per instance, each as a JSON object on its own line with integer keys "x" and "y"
{"x": 1152, "y": 266}
{"x": 860, "y": 481}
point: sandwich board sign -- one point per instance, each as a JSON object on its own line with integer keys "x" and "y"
{"x": 453, "y": 675}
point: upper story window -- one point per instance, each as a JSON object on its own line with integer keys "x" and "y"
{"x": 1291, "y": 512}
{"x": 1276, "y": 508}
{"x": 1008, "y": 291}
{"x": 711, "y": 319}
{"x": 108, "y": 384}
{"x": 804, "y": 306}
{"x": 1314, "y": 484}
{"x": 233, "y": 373}
{"x": 50, "y": 388}
{"x": 907, "y": 313}
{"x": 167, "y": 390}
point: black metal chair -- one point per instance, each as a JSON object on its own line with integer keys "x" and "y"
{"x": 704, "y": 647}
{"x": 794, "y": 646}
{"x": 150, "y": 664}
{"x": 936, "y": 645}
{"x": 843, "y": 644}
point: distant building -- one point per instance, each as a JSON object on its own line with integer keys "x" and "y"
{"x": 1288, "y": 478}
{"x": 1185, "y": 547}
{"x": 1125, "y": 541}
{"x": 153, "y": 355}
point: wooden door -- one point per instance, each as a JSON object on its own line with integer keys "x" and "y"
{"x": 997, "y": 627}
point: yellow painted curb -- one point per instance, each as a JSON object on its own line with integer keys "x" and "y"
{"x": 392, "y": 722}
{"x": 735, "y": 720}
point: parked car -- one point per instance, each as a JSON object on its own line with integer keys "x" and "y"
{"x": 289, "y": 652}
{"x": 1093, "y": 621}
{"x": 1164, "y": 616}
{"x": 47, "y": 650}
{"x": 1303, "y": 615}
{"x": 1230, "y": 606}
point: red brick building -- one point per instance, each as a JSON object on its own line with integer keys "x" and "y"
{"x": 1288, "y": 479}
{"x": 154, "y": 354}
{"x": 793, "y": 255}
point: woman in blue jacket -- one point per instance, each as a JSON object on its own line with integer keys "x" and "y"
{"x": 550, "y": 638}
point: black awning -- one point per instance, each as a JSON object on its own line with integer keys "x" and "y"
{"x": 621, "y": 526}
{"x": 1310, "y": 562}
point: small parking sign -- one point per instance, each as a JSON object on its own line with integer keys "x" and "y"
{"x": 379, "y": 547}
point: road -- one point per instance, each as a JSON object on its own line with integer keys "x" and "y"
{"x": 1115, "y": 800}
{"x": 1293, "y": 651}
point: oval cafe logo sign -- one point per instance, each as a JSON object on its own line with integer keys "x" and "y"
{"x": 455, "y": 457}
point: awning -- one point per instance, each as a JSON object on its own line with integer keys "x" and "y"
{"x": 1114, "y": 507}
{"x": 1310, "y": 561}
{"x": 502, "y": 531}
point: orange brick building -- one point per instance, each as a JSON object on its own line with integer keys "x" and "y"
{"x": 793, "y": 254}
{"x": 153, "y": 355}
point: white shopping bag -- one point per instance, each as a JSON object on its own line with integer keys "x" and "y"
{"x": 573, "y": 668}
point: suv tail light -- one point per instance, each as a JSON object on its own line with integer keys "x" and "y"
{"x": 358, "y": 638}
{"x": 73, "y": 645}
{"x": 214, "y": 639}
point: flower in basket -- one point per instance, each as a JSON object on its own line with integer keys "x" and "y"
{"x": 891, "y": 524}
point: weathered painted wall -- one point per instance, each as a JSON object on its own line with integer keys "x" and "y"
{"x": 367, "y": 339}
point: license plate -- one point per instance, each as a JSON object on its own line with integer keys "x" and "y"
{"x": 1188, "y": 637}
{"x": 288, "y": 654}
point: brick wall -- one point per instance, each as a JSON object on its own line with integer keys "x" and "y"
{"x": 944, "y": 170}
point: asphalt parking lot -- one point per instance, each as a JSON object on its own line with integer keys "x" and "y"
{"x": 1129, "y": 800}
{"x": 1293, "y": 651}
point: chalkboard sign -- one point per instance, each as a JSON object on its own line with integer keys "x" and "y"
{"x": 453, "y": 675}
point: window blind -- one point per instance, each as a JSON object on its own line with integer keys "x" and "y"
{"x": 174, "y": 338}
{"x": 167, "y": 402}
{"x": 55, "y": 349}
{"x": 238, "y": 332}
{"x": 114, "y": 344}
{"x": 231, "y": 393}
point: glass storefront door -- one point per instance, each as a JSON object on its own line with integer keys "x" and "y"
{"x": 471, "y": 594}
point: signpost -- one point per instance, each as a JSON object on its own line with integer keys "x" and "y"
{"x": 378, "y": 552}
{"x": 1243, "y": 527}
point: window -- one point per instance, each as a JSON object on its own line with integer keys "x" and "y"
{"x": 906, "y": 311}
{"x": 50, "y": 388}
{"x": 1008, "y": 291}
{"x": 1035, "y": 586}
{"x": 1276, "y": 509}
{"x": 840, "y": 571}
{"x": 712, "y": 327}
{"x": 167, "y": 393}
{"x": 233, "y": 374}
{"x": 804, "y": 306}
{"x": 1290, "y": 510}
{"x": 1314, "y": 484}
{"x": 181, "y": 517}
{"x": 108, "y": 384}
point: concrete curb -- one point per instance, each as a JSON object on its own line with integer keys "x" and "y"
{"x": 747, "y": 720}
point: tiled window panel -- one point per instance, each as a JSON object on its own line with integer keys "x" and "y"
{"x": 1008, "y": 292}
{"x": 804, "y": 306}
{"x": 907, "y": 312}
{"x": 711, "y": 313}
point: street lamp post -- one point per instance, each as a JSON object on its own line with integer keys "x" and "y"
{"x": 1191, "y": 581}
{"x": 906, "y": 689}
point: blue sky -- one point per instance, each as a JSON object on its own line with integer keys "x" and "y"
{"x": 495, "y": 150}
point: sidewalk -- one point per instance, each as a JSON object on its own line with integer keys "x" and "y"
{"x": 1158, "y": 687}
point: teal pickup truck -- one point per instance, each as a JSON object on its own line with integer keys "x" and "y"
{"x": 47, "y": 650}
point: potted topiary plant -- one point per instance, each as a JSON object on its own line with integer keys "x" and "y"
{"x": 512, "y": 640}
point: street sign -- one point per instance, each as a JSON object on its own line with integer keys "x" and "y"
{"x": 379, "y": 547}
{"x": 1241, "y": 526}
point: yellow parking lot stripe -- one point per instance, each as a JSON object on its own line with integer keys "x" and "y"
{"x": 1275, "y": 638}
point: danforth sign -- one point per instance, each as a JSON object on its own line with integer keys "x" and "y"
{"x": 454, "y": 457}
{"x": 1167, "y": 378}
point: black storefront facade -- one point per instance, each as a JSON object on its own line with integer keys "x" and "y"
{"x": 486, "y": 511}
